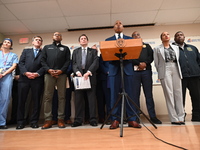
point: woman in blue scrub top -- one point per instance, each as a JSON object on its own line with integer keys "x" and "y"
{"x": 8, "y": 62}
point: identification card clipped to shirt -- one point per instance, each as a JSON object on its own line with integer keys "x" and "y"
{"x": 80, "y": 83}
{"x": 2, "y": 70}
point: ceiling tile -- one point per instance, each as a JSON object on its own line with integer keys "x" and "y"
{"x": 197, "y": 20}
{"x": 38, "y": 9}
{"x": 134, "y": 5}
{"x": 180, "y": 4}
{"x": 42, "y": 16}
{"x": 132, "y": 18}
{"x": 84, "y": 7}
{"x": 17, "y": 1}
{"x": 89, "y": 21}
{"x": 12, "y": 26}
{"x": 48, "y": 24}
{"x": 6, "y": 14}
{"x": 176, "y": 16}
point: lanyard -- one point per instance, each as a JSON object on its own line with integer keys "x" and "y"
{"x": 6, "y": 58}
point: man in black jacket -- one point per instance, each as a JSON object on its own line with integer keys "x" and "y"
{"x": 143, "y": 76}
{"x": 190, "y": 68}
{"x": 55, "y": 60}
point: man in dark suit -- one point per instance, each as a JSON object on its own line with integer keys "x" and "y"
{"x": 85, "y": 66}
{"x": 115, "y": 82}
{"x": 31, "y": 78}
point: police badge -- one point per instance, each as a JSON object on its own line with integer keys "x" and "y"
{"x": 189, "y": 48}
{"x": 61, "y": 48}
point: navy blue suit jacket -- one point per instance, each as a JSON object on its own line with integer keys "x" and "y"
{"x": 102, "y": 71}
{"x": 114, "y": 66}
{"x": 115, "y": 83}
{"x": 29, "y": 63}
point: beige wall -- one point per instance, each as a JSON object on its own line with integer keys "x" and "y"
{"x": 151, "y": 32}
{"x": 1, "y": 37}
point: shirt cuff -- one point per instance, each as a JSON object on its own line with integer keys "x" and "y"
{"x": 89, "y": 72}
{"x": 78, "y": 72}
{"x": 38, "y": 74}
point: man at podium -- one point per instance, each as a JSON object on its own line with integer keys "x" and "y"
{"x": 114, "y": 78}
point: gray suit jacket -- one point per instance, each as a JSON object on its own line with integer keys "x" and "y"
{"x": 159, "y": 60}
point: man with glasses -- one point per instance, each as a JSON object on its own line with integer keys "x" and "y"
{"x": 55, "y": 60}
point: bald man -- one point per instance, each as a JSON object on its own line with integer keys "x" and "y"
{"x": 114, "y": 77}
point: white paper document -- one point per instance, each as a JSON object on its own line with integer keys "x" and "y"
{"x": 80, "y": 83}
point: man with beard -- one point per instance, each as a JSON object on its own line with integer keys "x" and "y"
{"x": 55, "y": 60}
{"x": 190, "y": 68}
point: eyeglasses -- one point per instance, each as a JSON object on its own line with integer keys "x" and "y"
{"x": 57, "y": 34}
{"x": 136, "y": 34}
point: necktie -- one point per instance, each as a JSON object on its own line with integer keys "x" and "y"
{"x": 83, "y": 58}
{"x": 119, "y": 37}
{"x": 35, "y": 52}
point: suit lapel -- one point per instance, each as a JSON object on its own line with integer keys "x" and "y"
{"x": 80, "y": 55}
{"x": 162, "y": 51}
{"x": 88, "y": 55}
{"x": 114, "y": 37}
{"x": 32, "y": 53}
{"x": 175, "y": 50}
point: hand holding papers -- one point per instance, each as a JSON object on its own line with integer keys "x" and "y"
{"x": 80, "y": 83}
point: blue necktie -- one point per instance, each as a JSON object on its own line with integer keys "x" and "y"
{"x": 35, "y": 52}
{"x": 119, "y": 37}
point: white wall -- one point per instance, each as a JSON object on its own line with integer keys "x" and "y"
{"x": 151, "y": 32}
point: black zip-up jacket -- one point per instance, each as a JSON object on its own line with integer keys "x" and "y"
{"x": 146, "y": 56}
{"x": 56, "y": 57}
{"x": 189, "y": 61}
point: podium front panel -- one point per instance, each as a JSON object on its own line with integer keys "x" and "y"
{"x": 132, "y": 47}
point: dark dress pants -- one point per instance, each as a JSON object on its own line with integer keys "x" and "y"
{"x": 193, "y": 85}
{"x": 144, "y": 78}
{"x": 80, "y": 104}
{"x": 115, "y": 89}
{"x": 36, "y": 88}
{"x": 103, "y": 99}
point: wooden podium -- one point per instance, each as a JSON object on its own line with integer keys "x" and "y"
{"x": 121, "y": 50}
{"x": 132, "y": 47}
